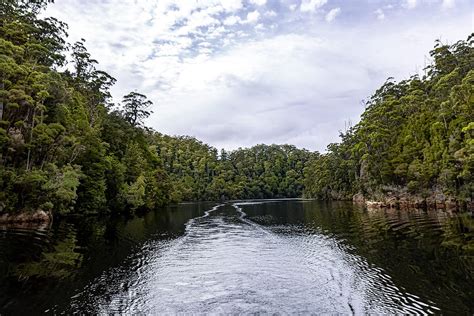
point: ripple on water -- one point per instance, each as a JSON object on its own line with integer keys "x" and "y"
{"x": 226, "y": 263}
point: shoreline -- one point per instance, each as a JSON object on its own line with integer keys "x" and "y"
{"x": 412, "y": 201}
{"x": 405, "y": 202}
{"x": 27, "y": 217}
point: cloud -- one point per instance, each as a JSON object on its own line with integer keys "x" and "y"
{"x": 410, "y": 4}
{"x": 253, "y": 17}
{"x": 448, "y": 4}
{"x": 331, "y": 15}
{"x": 271, "y": 13}
{"x": 231, "y": 20}
{"x": 258, "y": 2}
{"x": 228, "y": 5}
{"x": 311, "y": 5}
{"x": 234, "y": 73}
{"x": 379, "y": 14}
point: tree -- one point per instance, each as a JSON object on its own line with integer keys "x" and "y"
{"x": 135, "y": 108}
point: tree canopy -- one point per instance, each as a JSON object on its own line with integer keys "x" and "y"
{"x": 135, "y": 108}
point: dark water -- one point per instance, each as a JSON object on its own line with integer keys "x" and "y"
{"x": 249, "y": 257}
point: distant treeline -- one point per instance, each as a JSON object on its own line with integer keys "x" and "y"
{"x": 198, "y": 172}
{"x": 65, "y": 147}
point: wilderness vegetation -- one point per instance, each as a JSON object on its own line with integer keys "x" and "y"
{"x": 66, "y": 147}
{"x": 416, "y": 137}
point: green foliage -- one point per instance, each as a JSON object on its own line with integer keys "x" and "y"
{"x": 61, "y": 149}
{"x": 135, "y": 193}
{"x": 61, "y": 187}
{"x": 135, "y": 108}
{"x": 197, "y": 172}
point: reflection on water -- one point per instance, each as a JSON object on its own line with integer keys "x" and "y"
{"x": 276, "y": 256}
{"x": 101, "y": 243}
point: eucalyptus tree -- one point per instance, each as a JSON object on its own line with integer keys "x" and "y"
{"x": 136, "y": 108}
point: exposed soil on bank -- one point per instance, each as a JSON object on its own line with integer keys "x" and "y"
{"x": 26, "y": 217}
{"x": 406, "y": 201}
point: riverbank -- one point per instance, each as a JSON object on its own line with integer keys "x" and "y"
{"x": 407, "y": 201}
{"x": 25, "y": 217}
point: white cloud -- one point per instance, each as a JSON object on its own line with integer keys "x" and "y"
{"x": 410, "y": 4}
{"x": 271, "y": 13}
{"x": 260, "y": 27}
{"x": 201, "y": 18}
{"x": 311, "y": 5}
{"x": 331, "y": 15}
{"x": 228, "y": 5}
{"x": 231, "y": 20}
{"x": 448, "y": 4}
{"x": 379, "y": 14}
{"x": 258, "y": 2}
{"x": 253, "y": 17}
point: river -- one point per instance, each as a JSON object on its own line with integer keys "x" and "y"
{"x": 273, "y": 256}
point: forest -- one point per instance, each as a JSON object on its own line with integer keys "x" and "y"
{"x": 415, "y": 138}
{"x": 66, "y": 147}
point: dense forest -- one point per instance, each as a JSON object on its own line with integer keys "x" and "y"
{"x": 415, "y": 138}
{"x": 198, "y": 172}
{"x": 65, "y": 146}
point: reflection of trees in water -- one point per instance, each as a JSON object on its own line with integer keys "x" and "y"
{"x": 59, "y": 262}
{"x": 459, "y": 234}
{"x": 103, "y": 240}
{"x": 429, "y": 253}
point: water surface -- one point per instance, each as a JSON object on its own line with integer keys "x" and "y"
{"x": 290, "y": 256}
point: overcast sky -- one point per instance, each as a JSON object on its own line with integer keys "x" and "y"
{"x": 235, "y": 73}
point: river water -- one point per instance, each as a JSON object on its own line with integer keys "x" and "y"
{"x": 286, "y": 256}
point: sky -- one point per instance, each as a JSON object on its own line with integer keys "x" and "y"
{"x": 235, "y": 73}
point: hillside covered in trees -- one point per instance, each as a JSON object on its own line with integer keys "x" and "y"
{"x": 66, "y": 147}
{"x": 415, "y": 139}
{"x": 198, "y": 172}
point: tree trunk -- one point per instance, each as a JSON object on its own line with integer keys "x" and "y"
{"x": 31, "y": 140}
{"x": 2, "y": 86}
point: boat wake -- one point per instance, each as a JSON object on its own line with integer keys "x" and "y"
{"x": 227, "y": 263}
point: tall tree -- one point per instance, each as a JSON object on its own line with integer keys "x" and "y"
{"x": 135, "y": 108}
